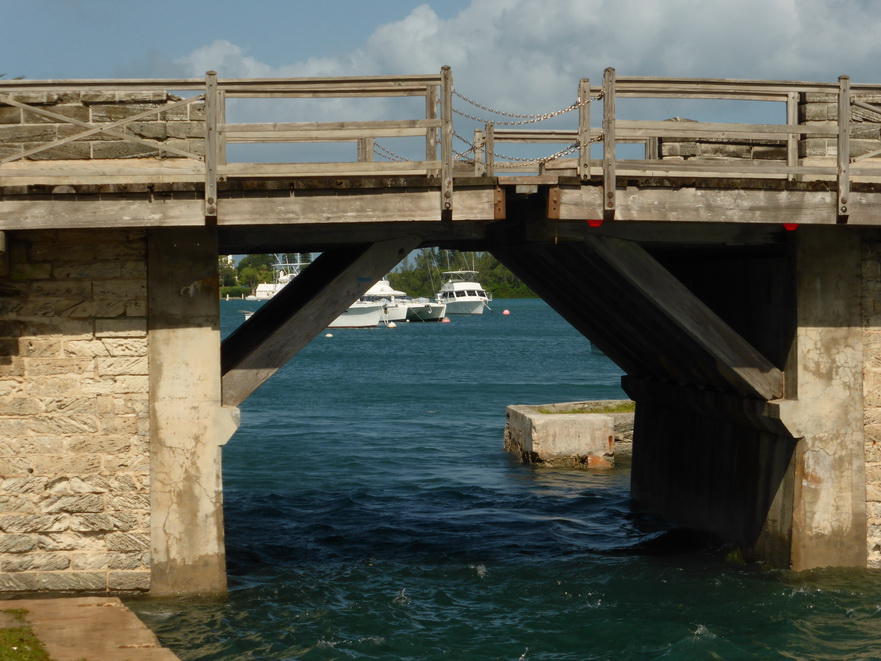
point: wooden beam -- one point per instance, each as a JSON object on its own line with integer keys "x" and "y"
{"x": 713, "y": 205}
{"x": 301, "y": 310}
{"x": 356, "y": 207}
{"x": 648, "y": 322}
{"x": 21, "y": 214}
{"x": 738, "y": 362}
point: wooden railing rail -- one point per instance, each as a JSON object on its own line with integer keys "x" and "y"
{"x": 214, "y": 165}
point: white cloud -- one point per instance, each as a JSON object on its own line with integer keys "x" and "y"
{"x": 527, "y": 55}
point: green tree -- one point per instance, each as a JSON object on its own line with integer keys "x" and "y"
{"x": 421, "y": 276}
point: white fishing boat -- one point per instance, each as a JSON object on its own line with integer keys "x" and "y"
{"x": 462, "y": 293}
{"x": 424, "y": 309}
{"x": 358, "y": 315}
{"x": 393, "y": 301}
{"x": 361, "y": 314}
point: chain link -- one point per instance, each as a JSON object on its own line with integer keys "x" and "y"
{"x": 379, "y": 150}
{"x": 538, "y": 161}
{"x": 523, "y": 119}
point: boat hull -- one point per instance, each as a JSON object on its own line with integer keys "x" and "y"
{"x": 359, "y": 316}
{"x": 425, "y": 311}
{"x": 465, "y": 307}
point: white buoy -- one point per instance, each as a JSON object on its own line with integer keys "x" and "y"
{"x": 392, "y": 324}
{"x": 328, "y": 335}
{"x": 445, "y": 320}
{"x": 506, "y": 312}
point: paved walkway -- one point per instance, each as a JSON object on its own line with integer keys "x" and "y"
{"x": 92, "y": 628}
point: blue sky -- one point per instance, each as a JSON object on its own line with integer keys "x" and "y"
{"x": 524, "y": 54}
{"x": 515, "y": 55}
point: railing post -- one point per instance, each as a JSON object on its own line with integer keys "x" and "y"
{"x": 584, "y": 128}
{"x": 843, "y": 146}
{"x": 365, "y": 150}
{"x": 609, "y": 143}
{"x": 792, "y": 139}
{"x": 431, "y": 135}
{"x": 446, "y": 143}
{"x": 211, "y": 144}
{"x": 490, "y": 150}
{"x": 479, "y": 146}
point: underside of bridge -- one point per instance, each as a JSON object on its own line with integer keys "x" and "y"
{"x": 742, "y": 346}
{"x": 743, "y": 349}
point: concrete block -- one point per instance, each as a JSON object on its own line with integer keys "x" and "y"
{"x": 560, "y": 439}
{"x": 127, "y": 542}
{"x": 17, "y": 543}
{"x": 129, "y": 580}
{"x": 117, "y": 366}
{"x": 34, "y": 523}
{"x": 119, "y": 328}
{"x": 34, "y": 562}
{"x": 74, "y": 504}
{"x": 67, "y": 151}
{"x": 67, "y": 581}
{"x": 23, "y": 485}
{"x": 18, "y": 582}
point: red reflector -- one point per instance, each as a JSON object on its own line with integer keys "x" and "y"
{"x": 790, "y": 227}
{"x": 594, "y": 222}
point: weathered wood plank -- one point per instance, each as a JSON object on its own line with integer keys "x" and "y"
{"x": 326, "y": 131}
{"x": 291, "y": 319}
{"x": 337, "y": 169}
{"x": 471, "y": 204}
{"x": 708, "y": 205}
{"x": 70, "y": 214}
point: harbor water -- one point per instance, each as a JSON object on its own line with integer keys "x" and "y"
{"x": 371, "y": 513}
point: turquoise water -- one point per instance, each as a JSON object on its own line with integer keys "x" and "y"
{"x": 372, "y": 514}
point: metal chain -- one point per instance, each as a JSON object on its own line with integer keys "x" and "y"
{"x": 536, "y": 161}
{"x": 524, "y": 119}
{"x": 379, "y": 150}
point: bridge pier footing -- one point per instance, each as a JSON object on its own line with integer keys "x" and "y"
{"x": 188, "y": 423}
{"x": 756, "y": 369}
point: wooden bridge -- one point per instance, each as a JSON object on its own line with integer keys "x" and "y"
{"x": 731, "y": 269}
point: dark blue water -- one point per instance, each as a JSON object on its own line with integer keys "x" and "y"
{"x": 372, "y": 514}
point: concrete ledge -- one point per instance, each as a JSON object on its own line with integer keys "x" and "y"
{"x": 93, "y": 628}
{"x": 561, "y": 435}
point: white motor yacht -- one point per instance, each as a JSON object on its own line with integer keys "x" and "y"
{"x": 462, "y": 293}
{"x": 394, "y": 306}
{"x": 423, "y": 309}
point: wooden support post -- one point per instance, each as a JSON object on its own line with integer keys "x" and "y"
{"x": 609, "y": 144}
{"x": 584, "y": 129}
{"x": 301, "y": 310}
{"x": 221, "y": 128}
{"x": 365, "y": 150}
{"x": 211, "y": 144}
{"x": 792, "y": 140}
{"x": 431, "y": 135}
{"x": 843, "y": 147}
{"x": 479, "y": 146}
{"x": 490, "y": 150}
{"x": 446, "y": 143}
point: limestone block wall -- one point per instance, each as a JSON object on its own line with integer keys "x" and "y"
{"x": 74, "y": 416}
{"x": 822, "y": 109}
{"x": 21, "y": 129}
{"x": 872, "y": 392}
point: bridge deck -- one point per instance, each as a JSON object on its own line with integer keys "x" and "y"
{"x": 129, "y": 154}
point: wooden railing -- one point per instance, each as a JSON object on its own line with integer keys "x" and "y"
{"x": 841, "y": 160}
{"x": 837, "y": 164}
{"x": 214, "y": 165}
